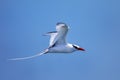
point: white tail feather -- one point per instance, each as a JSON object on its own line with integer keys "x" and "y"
{"x": 29, "y": 57}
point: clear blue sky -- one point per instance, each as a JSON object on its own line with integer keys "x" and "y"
{"x": 94, "y": 25}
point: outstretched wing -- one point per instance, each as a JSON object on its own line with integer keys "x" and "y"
{"x": 58, "y": 36}
{"x": 52, "y": 35}
{"x": 29, "y": 57}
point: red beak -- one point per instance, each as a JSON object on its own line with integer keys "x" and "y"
{"x": 81, "y": 49}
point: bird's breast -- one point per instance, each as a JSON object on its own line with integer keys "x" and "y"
{"x": 60, "y": 49}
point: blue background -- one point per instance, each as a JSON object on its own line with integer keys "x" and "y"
{"x": 94, "y": 25}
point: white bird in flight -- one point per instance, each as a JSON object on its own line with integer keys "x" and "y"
{"x": 57, "y": 42}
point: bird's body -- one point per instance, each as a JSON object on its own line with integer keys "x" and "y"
{"x": 57, "y": 42}
{"x": 64, "y": 48}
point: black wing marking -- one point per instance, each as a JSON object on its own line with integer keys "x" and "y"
{"x": 52, "y": 32}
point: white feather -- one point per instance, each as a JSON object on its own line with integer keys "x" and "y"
{"x": 58, "y": 37}
{"x": 29, "y": 57}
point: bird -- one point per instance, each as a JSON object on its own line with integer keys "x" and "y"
{"x": 57, "y": 43}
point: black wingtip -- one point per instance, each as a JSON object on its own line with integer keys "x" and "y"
{"x": 60, "y": 23}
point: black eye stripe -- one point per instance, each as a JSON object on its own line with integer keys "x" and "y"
{"x": 75, "y": 47}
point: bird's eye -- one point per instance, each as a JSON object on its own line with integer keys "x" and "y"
{"x": 75, "y": 46}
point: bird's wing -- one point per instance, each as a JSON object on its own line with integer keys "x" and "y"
{"x": 29, "y": 57}
{"x": 59, "y": 36}
{"x": 53, "y": 38}
{"x": 62, "y": 30}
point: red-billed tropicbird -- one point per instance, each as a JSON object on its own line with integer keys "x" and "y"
{"x": 57, "y": 42}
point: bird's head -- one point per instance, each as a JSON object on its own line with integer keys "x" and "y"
{"x": 78, "y": 47}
